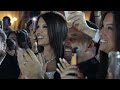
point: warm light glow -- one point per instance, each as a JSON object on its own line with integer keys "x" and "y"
{"x": 34, "y": 19}
{"x": 14, "y": 19}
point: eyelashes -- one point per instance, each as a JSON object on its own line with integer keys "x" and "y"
{"x": 45, "y": 26}
{"x": 110, "y": 28}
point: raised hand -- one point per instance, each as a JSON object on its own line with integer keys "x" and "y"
{"x": 29, "y": 65}
{"x": 68, "y": 71}
{"x": 77, "y": 18}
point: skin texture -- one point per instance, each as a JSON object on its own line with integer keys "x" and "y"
{"x": 107, "y": 34}
{"x": 29, "y": 65}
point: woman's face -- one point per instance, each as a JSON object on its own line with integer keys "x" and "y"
{"x": 42, "y": 33}
{"x": 107, "y": 43}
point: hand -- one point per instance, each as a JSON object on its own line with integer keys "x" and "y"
{"x": 79, "y": 22}
{"x": 109, "y": 74}
{"x": 32, "y": 38}
{"x": 42, "y": 63}
{"x": 97, "y": 13}
{"x": 65, "y": 69}
{"x": 77, "y": 19}
{"x": 29, "y": 65}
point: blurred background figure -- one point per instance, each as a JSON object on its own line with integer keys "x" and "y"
{"x": 6, "y": 24}
{"x": 11, "y": 47}
{"x": 9, "y": 68}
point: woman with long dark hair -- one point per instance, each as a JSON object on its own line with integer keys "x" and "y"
{"x": 51, "y": 32}
{"x": 109, "y": 26}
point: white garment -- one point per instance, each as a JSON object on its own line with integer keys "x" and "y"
{"x": 50, "y": 75}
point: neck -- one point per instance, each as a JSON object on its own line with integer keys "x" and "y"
{"x": 85, "y": 56}
{"x": 49, "y": 55}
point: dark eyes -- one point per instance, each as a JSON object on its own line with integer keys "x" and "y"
{"x": 110, "y": 28}
{"x": 44, "y": 26}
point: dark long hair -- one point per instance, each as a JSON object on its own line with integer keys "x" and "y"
{"x": 103, "y": 66}
{"x": 116, "y": 26}
{"x": 117, "y": 29}
{"x": 104, "y": 56}
{"x": 57, "y": 31}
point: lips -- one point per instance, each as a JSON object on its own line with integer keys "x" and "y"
{"x": 40, "y": 37}
{"x": 68, "y": 49}
{"x": 67, "y": 46}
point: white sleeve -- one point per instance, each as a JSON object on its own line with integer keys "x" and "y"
{"x": 97, "y": 36}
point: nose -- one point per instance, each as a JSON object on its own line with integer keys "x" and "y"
{"x": 38, "y": 31}
{"x": 67, "y": 41}
{"x": 102, "y": 31}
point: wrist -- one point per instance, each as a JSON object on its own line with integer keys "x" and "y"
{"x": 89, "y": 32}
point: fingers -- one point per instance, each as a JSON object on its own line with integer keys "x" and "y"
{"x": 71, "y": 67}
{"x": 74, "y": 14}
{"x": 77, "y": 19}
{"x": 21, "y": 60}
{"x": 109, "y": 74}
{"x": 70, "y": 77}
{"x": 64, "y": 63}
{"x": 32, "y": 56}
{"x": 20, "y": 56}
{"x": 60, "y": 67}
{"x": 58, "y": 71}
{"x": 66, "y": 69}
{"x": 41, "y": 59}
{"x": 74, "y": 72}
{"x": 76, "y": 22}
{"x": 26, "y": 57}
{"x": 28, "y": 63}
{"x": 71, "y": 12}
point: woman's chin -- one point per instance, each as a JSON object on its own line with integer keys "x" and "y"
{"x": 42, "y": 44}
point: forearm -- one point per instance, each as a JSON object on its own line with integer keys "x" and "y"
{"x": 89, "y": 32}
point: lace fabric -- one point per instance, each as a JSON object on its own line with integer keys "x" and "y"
{"x": 50, "y": 75}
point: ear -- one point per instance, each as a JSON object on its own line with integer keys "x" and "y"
{"x": 90, "y": 46}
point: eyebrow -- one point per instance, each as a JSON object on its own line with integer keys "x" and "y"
{"x": 44, "y": 24}
{"x": 74, "y": 34}
{"x": 110, "y": 24}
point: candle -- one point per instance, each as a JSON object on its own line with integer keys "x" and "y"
{"x": 34, "y": 22}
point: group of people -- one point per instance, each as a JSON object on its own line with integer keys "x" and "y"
{"x": 46, "y": 51}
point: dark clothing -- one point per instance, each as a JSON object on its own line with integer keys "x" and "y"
{"x": 103, "y": 66}
{"x": 7, "y": 31}
{"x": 56, "y": 75}
{"x": 9, "y": 68}
{"x": 88, "y": 68}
